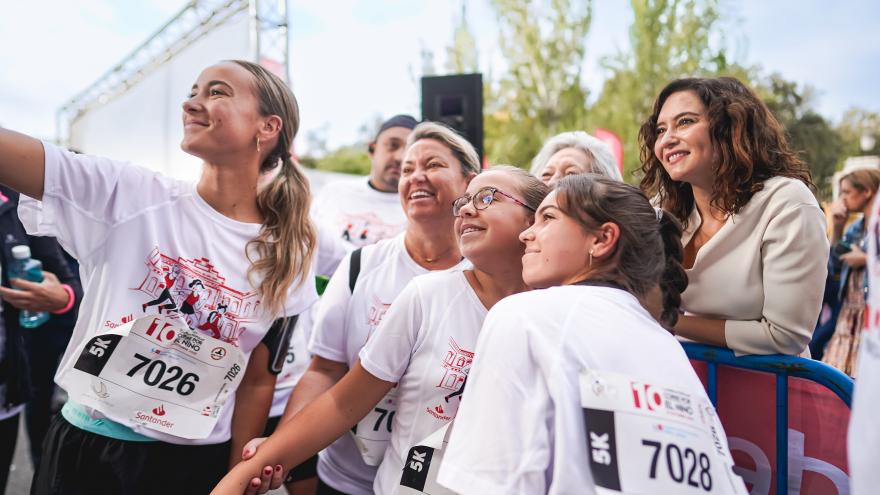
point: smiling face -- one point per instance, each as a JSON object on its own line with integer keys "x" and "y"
{"x": 221, "y": 117}
{"x": 492, "y": 234}
{"x": 567, "y": 161}
{"x": 557, "y": 248}
{"x": 430, "y": 180}
{"x": 683, "y": 144}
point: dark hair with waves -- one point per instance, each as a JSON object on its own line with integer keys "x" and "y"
{"x": 648, "y": 252}
{"x": 749, "y": 141}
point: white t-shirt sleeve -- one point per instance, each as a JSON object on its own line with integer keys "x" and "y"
{"x": 331, "y": 250}
{"x": 300, "y": 297}
{"x": 501, "y": 440}
{"x": 389, "y": 350}
{"x": 328, "y": 334}
{"x": 84, "y": 197}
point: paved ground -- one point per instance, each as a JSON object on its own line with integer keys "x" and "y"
{"x": 21, "y": 472}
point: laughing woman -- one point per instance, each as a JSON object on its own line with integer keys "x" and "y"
{"x": 425, "y": 342}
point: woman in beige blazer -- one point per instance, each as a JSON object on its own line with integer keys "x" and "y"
{"x": 755, "y": 247}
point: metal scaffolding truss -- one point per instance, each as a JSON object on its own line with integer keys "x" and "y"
{"x": 269, "y": 41}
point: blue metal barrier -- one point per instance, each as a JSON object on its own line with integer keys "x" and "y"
{"x": 783, "y": 367}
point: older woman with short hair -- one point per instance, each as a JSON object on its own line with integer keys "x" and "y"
{"x": 571, "y": 153}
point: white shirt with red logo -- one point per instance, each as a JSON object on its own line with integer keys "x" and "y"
{"x": 521, "y": 426}
{"x": 343, "y": 325}
{"x": 148, "y": 244}
{"x": 426, "y": 345}
{"x": 356, "y": 212}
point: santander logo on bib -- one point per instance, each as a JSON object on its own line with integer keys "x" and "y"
{"x": 155, "y": 418}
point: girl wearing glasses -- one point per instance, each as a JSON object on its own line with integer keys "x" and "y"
{"x": 425, "y": 343}
{"x": 557, "y": 366}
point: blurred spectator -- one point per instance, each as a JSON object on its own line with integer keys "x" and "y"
{"x": 571, "y": 153}
{"x": 29, "y": 357}
{"x": 364, "y": 212}
{"x": 846, "y": 264}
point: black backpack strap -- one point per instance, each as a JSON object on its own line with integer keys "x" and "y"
{"x": 277, "y": 339}
{"x": 354, "y": 268}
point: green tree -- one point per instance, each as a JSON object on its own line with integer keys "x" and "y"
{"x": 668, "y": 39}
{"x": 350, "y": 159}
{"x": 461, "y": 55}
{"x": 540, "y": 93}
{"x": 819, "y": 145}
{"x": 859, "y": 131}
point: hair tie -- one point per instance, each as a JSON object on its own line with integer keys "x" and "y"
{"x": 659, "y": 213}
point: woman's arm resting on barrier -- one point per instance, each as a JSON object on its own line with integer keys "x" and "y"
{"x": 699, "y": 329}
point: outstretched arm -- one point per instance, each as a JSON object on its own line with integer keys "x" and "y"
{"x": 22, "y": 163}
{"x": 313, "y": 428}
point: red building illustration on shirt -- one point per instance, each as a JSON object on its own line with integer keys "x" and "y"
{"x": 223, "y": 312}
{"x": 457, "y": 365}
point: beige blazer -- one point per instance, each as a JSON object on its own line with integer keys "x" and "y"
{"x": 764, "y": 271}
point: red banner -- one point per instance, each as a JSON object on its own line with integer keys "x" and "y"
{"x": 817, "y": 425}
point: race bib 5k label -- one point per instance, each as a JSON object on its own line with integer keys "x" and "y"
{"x": 159, "y": 373}
{"x": 645, "y": 438}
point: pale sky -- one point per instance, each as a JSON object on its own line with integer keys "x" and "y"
{"x": 352, "y": 60}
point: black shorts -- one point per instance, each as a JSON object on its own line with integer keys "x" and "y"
{"x": 307, "y": 470}
{"x": 77, "y": 462}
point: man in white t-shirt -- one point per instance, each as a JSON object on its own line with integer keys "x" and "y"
{"x": 365, "y": 212}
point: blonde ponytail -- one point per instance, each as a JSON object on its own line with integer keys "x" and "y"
{"x": 282, "y": 252}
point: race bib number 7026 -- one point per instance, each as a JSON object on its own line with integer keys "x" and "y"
{"x": 158, "y": 373}
{"x": 644, "y": 438}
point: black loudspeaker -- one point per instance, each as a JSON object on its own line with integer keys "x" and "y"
{"x": 456, "y": 101}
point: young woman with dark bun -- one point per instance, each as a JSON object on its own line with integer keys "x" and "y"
{"x": 559, "y": 367}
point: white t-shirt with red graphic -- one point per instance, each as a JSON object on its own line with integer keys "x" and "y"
{"x": 521, "y": 426}
{"x": 344, "y": 322}
{"x": 359, "y": 213}
{"x": 425, "y": 344}
{"x": 142, "y": 240}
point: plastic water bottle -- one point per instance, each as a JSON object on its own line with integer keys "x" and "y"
{"x": 25, "y": 268}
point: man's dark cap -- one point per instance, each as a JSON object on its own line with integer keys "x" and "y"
{"x": 406, "y": 121}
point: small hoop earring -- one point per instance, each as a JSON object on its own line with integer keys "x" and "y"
{"x": 258, "y": 145}
{"x": 591, "y": 257}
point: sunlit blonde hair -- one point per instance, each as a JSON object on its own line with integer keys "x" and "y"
{"x": 282, "y": 252}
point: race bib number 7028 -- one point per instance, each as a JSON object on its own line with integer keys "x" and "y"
{"x": 158, "y": 373}
{"x": 644, "y": 439}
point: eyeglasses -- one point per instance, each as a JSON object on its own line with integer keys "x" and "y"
{"x": 482, "y": 199}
